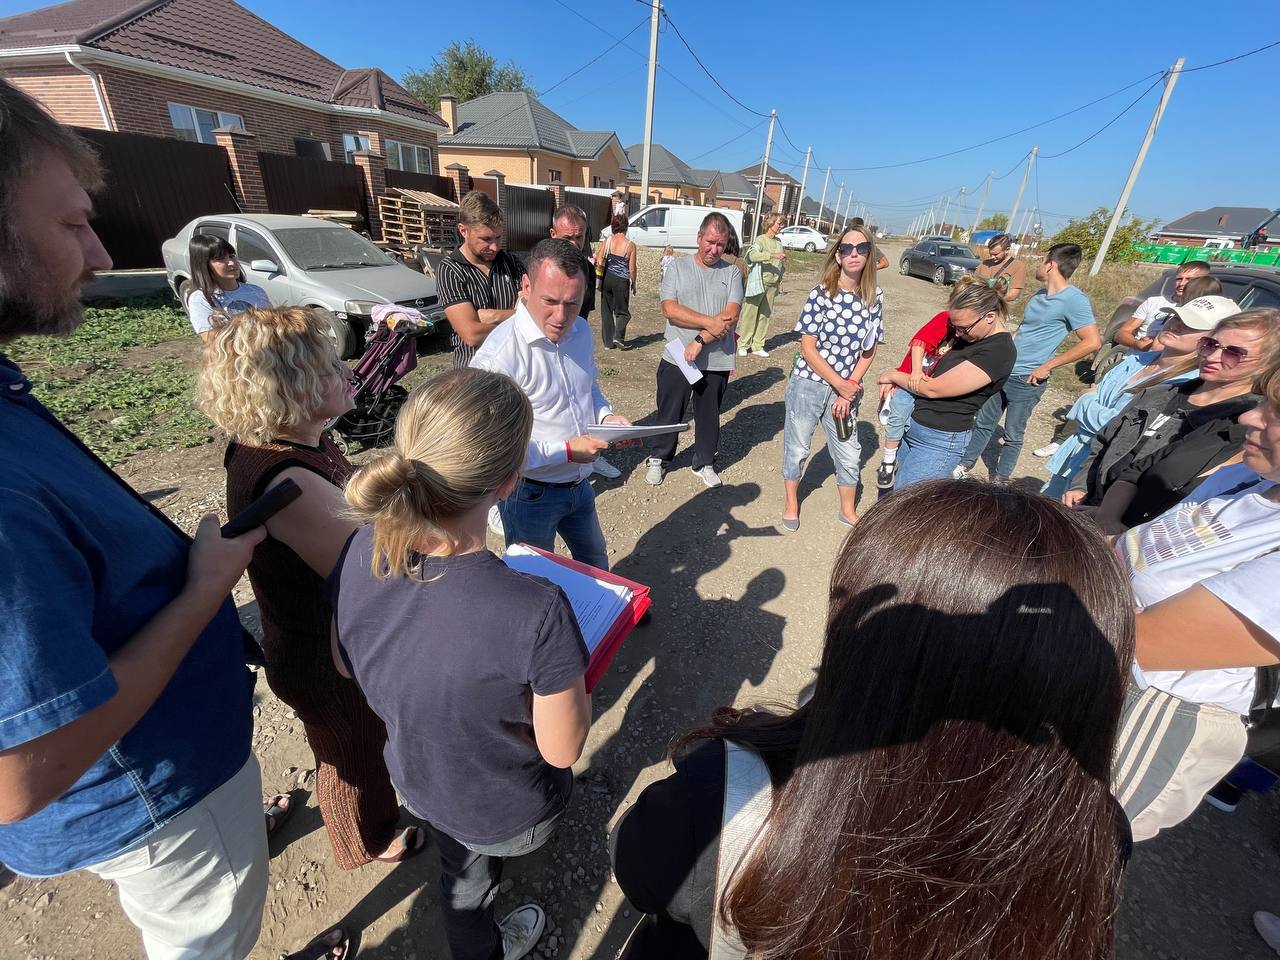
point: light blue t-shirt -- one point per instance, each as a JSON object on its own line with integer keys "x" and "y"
{"x": 1046, "y": 322}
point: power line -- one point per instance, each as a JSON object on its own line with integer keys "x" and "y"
{"x": 734, "y": 139}
{"x": 723, "y": 89}
{"x": 1239, "y": 56}
{"x": 1134, "y": 103}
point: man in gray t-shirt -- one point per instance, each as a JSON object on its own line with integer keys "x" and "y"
{"x": 701, "y": 296}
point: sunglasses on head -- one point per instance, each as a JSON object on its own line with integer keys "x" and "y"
{"x": 1231, "y": 356}
{"x": 862, "y": 249}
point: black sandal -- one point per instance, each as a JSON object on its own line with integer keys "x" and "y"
{"x": 322, "y": 947}
{"x": 278, "y": 814}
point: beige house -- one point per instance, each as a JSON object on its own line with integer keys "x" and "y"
{"x": 519, "y": 137}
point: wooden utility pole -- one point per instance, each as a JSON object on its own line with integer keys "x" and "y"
{"x": 1123, "y": 202}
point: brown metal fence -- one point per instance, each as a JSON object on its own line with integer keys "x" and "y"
{"x": 440, "y": 186}
{"x": 528, "y": 213}
{"x": 299, "y": 184}
{"x": 598, "y": 209}
{"x": 487, "y": 185}
{"x": 154, "y": 186}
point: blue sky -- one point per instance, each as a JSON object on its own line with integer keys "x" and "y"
{"x": 876, "y": 84}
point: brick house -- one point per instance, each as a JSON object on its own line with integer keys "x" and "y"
{"x": 671, "y": 179}
{"x": 166, "y": 69}
{"x": 1228, "y": 223}
{"x": 517, "y": 136}
{"x": 738, "y": 193}
{"x": 782, "y": 188}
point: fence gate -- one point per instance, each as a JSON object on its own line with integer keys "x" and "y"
{"x": 528, "y": 212}
{"x": 154, "y": 187}
{"x": 298, "y": 184}
{"x": 599, "y": 210}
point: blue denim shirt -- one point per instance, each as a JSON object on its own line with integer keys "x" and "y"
{"x": 84, "y": 564}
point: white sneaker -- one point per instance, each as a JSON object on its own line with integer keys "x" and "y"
{"x": 606, "y": 469}
{"x": 959, "y": 473}
{"x": 708, "y": 475}
{"x": 655, "y": 472}
{"x": 520, "y": 930}
{"x": 762, "y": 352}
{"x": 1048, "y": 450}
{"x": 495, "y": 520}
{"x": 743, "y": 351}
{"x": 1268, "y": 927}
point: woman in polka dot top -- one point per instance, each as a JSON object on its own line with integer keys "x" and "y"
{"x": 840, "y": 325}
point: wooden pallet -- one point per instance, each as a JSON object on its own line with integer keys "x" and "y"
{"x": 412, "y": 217}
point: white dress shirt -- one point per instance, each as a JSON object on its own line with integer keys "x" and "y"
{"x": 560, "y": 382}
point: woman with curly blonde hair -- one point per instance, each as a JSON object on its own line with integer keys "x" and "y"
{"x": 272, "y": 381}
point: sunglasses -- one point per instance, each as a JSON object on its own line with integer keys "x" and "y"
{"x": 1231, "y": 356}
{"x": 861, "y": 249}
{"x": 967, "y": 327}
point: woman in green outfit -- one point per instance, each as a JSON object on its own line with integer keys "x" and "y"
{"x": 767, "y": 254}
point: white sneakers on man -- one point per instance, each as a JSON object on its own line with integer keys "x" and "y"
{"x": 708, "y": 475}
{"x": 655, "y": 472}
{"x": 521, "y": 929}
{"x": 959, "y": 473}
{"x": 606, "y": 469}
{"x": 1047, "y": 451}
{"x": 495, "y": 521}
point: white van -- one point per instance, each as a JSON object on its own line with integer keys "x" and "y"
{"x": 671, "y": 223}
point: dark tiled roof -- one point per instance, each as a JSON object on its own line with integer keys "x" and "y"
{"x": 771, "y": 173}
{"x": 736, "y": 185}
{"x": 520, "y": 120}
{"x": 664, "y": 166}
{"x": 193, "y": 35}
{"x": 703, "y": 177}
{"x": 809, "y": 207}
{"x": 1228, "y": 221}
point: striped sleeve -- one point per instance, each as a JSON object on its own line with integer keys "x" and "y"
{"x": 451, "y": 284}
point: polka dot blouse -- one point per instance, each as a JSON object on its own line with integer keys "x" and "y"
{"x": 844, "y": 326}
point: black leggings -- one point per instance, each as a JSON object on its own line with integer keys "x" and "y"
{"x": 615, "y": 309}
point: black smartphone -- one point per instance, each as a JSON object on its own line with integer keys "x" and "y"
{"x": 262, "y": 509}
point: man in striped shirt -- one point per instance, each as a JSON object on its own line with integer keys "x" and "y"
{"x": 478, "y": 283}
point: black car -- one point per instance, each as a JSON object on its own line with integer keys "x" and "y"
{"x": 942, "y": 261}
{"x": 1252, "y": 287}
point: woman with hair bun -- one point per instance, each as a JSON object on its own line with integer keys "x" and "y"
{"x": 271, "y": 381}
{"x": 476, "y": 669}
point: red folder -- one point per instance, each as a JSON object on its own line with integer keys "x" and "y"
{"x": 604, "y": 652}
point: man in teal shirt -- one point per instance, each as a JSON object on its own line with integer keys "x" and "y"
{"x": 1057, "y": 309}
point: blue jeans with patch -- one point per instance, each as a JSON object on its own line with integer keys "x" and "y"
{"x": 901, "y": 403}
{"x": 1016, "y": 399}
{"x": 809, "y": 402}
{"x": 928, "y": 454}
{"x": 534, "y": 514}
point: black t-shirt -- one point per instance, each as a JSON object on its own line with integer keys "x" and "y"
{"x": 449, "y": 659}
{"x": 994, "y": 356}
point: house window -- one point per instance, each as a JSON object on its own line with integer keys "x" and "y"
{"x": 554, "y": 176}
{"x": 311, "y": 148}
{"x": 351, "y": 143}
{"x": 409, "y": 157}
{"x": 197, "y": 126}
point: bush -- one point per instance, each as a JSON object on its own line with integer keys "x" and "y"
{"x": 1088, "y": 233}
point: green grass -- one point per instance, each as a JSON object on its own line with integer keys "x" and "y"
{"x": 108, "y": 385}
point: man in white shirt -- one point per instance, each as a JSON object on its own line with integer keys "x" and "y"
{"x": 1139, "y": 331}
{"x": 546, "y": 347}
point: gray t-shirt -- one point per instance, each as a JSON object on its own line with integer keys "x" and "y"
{"x": 707, "y": 290}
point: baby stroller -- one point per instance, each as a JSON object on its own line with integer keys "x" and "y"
{"x": 390, "y": 353}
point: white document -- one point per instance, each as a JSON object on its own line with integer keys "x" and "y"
{"x": 596, "y": 604}
{"x": 612, "y": 432}
{"x": 675, "y": 353}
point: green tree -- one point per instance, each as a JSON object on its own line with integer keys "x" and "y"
{"x": 1088, "y": 231}
{"x": 997, "y": 221}
{"x": 465, "y": 70}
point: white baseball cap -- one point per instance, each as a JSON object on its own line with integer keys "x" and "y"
{"x": 1205, "y": 313}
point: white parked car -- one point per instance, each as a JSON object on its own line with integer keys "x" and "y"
{"x": 672, "y": 223}
{"x": 802, "y": 238}
{"x": 305, "y": 262}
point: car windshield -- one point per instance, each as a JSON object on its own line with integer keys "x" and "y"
{"x": 329, "y": 248}
{"x": 951, "y": 250}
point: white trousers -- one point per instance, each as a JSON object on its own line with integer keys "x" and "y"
{"x": 196, "y": 887}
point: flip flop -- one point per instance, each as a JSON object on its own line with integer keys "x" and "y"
{"x": 407, "y": 850}
{"x": 322, "y": 947}
{"x": 276, "y": 812}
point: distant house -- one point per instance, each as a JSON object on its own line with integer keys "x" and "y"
{"x": 184, "y": 68}
{"x": 782, "y": 188}
{"x": 1229, "y": 223}
{"x": 517, "y": 135}
{"x": 738, "y": 193}
{"x": 810, "y": 215}
{"x": 671, "y": 179}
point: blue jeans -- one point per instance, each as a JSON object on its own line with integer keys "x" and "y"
{"x": 901, "y": 403}
{"x": 469, "y": 877}
{"x": 534, "y": 514}
{"x": 928, "y": 454}
{"x": 809, "y": 401}
{"x": 1015, "y": 400}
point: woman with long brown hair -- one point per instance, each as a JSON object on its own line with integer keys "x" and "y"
{"x": 944, "y": 793}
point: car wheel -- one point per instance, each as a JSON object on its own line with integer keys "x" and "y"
{"x": 810, "y": 247}
{"x": 348, "y": 339}
{"x": 940, "y": 276}
{"x": 904, "y": 267}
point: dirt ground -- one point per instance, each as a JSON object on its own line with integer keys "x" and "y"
{"x": 738, "y": 617}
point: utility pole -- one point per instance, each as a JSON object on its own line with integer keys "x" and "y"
{"x": 655, "y": 10}
{"x": 986, "y": 188}
{"x": 1031, "y": 161}
{"x": 1123, "y": 202}
{"x": 804, "y": 180}
{"x": 951, "y": 233}
{"x": 823, "y": 202}
{"x": 928, "y": 227}
{"x": 946, "y": 205}
{"x": 764, "y": 169}
{"x": 835, "y": 211}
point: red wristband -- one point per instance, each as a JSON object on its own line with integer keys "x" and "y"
{"x": 568, "y": 452}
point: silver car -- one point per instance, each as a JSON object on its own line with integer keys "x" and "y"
{"x": 302, "y": 261}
